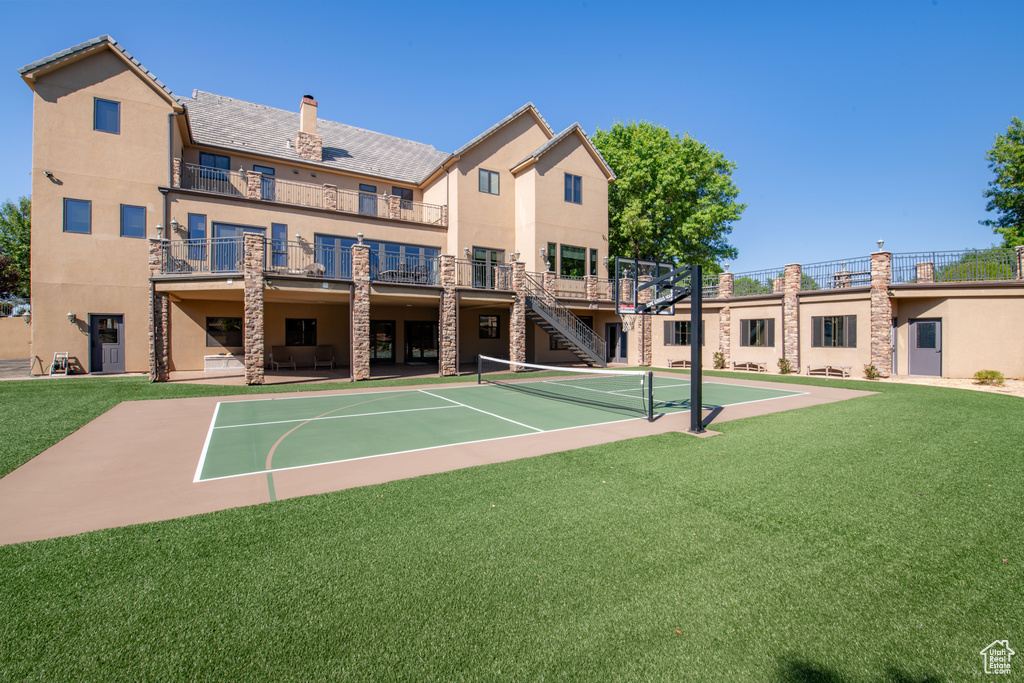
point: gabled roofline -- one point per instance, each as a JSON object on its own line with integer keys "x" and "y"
{"x": 526, "y": 108}
{"x": 574, "y": 129}
{"x": 58, "y": 60}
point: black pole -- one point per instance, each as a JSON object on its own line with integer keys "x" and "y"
{"x": 696, "y": 349}
{"x": 650, "y": 396}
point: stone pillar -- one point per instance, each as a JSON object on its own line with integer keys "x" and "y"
{"x": 448, "y": 316}
{"x": 517, "y": 322}
{"x": 881, "y": 312}
{"x": 253, "y": 246}
{"x": 725, "y": 282}
{"x": 592, "y": 295}
{"x": 176, "y": 173}
{"x": 331, "y": 197}
{"x": 1020, "y": 263}
{"x": 159, "y": 319}
{"x": 778, "y": 284}
{"x": 253, "y": 185}
{"x": 644, "y": 325}
{"x": 791, "y": 315}
{"x": 394, "y": 206}
{"x": 926, "y": 272}
{"x": 548, "y": 281}
{"x": 444, "y": 215}
{"x": 360, "y": 312}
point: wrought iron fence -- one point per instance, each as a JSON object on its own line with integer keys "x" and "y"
{"x": 709, "y": 286}
{"x": 202, "y": 256}
{"x": 570, "y": 287}
{"x": 13, "y": 308}
{"x": 291, "y": 192}
{"x": 605, "y": 289}
{"x": 330, "y": 261}
{"x": 482, "y": 275}
{"x": 218, "y": 181}
{"x": 970, "y": 265}
{"x": 843, "y": 274}
{"x": 406, "y": 269}
{"x": 756, "y": 282}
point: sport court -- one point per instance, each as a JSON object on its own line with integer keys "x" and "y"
{"x": 272, "y": 435}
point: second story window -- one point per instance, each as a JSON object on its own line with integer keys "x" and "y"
{"x": 573, "y": 188}
{"x": 368, "y": 199}
{"x": 488, "y": 181}
{"x": 403, "y": 193}
{"x": 106, "y": 116}
{"x": 133, "y": 221}
{"x": 77, "y": 216}
{"x": 279, "y": 245}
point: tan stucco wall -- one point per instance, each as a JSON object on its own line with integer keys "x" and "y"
{"x": 470, "y": 343}
{"x": 15, "y": 338}
{"x": 829, "y": 305}
{"x": 757, "y": 354}
{"x": 662, "y": 352}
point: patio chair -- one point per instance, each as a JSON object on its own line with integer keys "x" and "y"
{"x": 324, "y": 357}
{"x": 280, "y": 357}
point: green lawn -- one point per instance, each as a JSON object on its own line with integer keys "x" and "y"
{"x": 857, "y": 541}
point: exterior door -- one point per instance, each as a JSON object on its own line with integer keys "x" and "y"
{"x": 484, "y": 261}
{"x": 420, "y": 341}
{"x": 227, "y": 246}
{"x": 107, "y": 343}
{"x": 926, "y": 347}
{"x": 616, "y": 343}
{"x": 382, "y": 341}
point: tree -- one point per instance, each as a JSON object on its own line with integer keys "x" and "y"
{"x": 1005, "y": 192}
{"x": 15, "y": 241}
{"x": 673, "y": 199}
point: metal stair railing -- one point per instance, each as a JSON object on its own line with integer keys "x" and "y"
{"x": 564, "y": 321}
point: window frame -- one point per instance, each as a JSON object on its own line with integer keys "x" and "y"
{"x": 847, "y": 337}
{"x": 304, "y": 333}
{"x": 562, "y": 260}
{"x": 279, "y": 245}
{"x": 88, "y": 205}
{"x": 212, "y": 342}
{"x": 491, "y": 328}
{"x": 594, "y": 258}
{"x": 96, "y": 115}
{"x": 677, "y": 333}
{"x": 132, "y": 206}
{"x": 493, "y": 183}
{"x": 763, "y": 335}
{"x": 197, "y": 252}
{"x": 573, "y": 188}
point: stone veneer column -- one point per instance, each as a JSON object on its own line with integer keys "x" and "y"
{"x": 253, "y": 246}
{"x": 176, "y": 173}
{"x": 517, "y": 323}
{"x": 253, "y": 185}
{"x": 159, "y": 319}
{"x": 791, "y": 315}
{"x": 448, "y": 316}
{"x": 881, "y": 312}
{"x": 1020, "y": 263}
{"x": 444, "y": 215}
{"x": 331, "y": 197}
{"x": 725, "y": 317}
{"x": 926, "y": 272}
{"x": 394, "y": 206}
{"x": 591, "y": 284}
{"x": 645, "y": 326}
{"x": 360, "y": 312}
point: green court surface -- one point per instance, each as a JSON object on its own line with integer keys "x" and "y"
{"x": 267, "y": 435}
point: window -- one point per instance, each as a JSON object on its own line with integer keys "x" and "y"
{"x": 368, "y": 199}
{"x": 593, "y": 261}
{"x": 133, "y": 221}
{"x": 106, "y": 116}
{"x": 196, "y": 231}
{"x": 219, "y": 161}
{"x": 552, "y": 255}
{"x": 266, "y": 182}
{"x": 677, "y": 333}
{"x": 279, "y": 245}
{"x": 77, "y": 216}
{"x": 573, "y": 188}
{"x": 404, "y": 194}
{"x": 834, "y": 331}
{"x": 489, "y": 181}
{"x": 758, "y": 332}
{"x": 224, "y": 332}
{"x": 556, "y": 343}
{"x": 573, "y": 262}
{"x": 489, "y": 327}
{"x": 213, "y": 172}
{"x": 300, "y": 331}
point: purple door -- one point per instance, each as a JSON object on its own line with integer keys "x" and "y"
{"x": 107, "y": 341}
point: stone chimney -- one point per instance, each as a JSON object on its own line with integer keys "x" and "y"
{"x": 308, "y": 144}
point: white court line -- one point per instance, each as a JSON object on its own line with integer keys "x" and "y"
{"x": 206, "y": 446}
{"x": 335, "y": 417}
{"x": 481, "y": 411}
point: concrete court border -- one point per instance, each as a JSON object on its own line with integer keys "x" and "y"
{"x": 95, "y": 480}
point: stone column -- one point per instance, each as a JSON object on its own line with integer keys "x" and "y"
{"x": 331, "y": 197}
{"x": 591, "y": 284}
{"x": 394, "y": 206}
{"x": 253, "y": 185}
{"x": 644, "y": 324}
{"x": 254, "y": 246}
{"x": 517, "y": 322}
{"x": 176, "y": 173}
{"x": 791, "y": 315}
{"x": 1020, "y": 263}
{"x": 444, "y": 215}
{"x": 778, "y": 284}
{"x": 159, "y": 319}
{"x": 725, "y": 281}
{"x": 449, "y": 331}
{"x": 360, "y": 312}
{"x": 881, "y": 312}
{"x": 926, "y": 272}
{"x": 548, "y": 281}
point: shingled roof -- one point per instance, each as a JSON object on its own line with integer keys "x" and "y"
{"x": 233, "y": 124}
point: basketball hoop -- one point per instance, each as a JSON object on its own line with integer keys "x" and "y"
{"x": 628, "y": 321}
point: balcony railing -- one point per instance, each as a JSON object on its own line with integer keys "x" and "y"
{"x": 972, "y": 265}
{"x": 570, "y": 288}
{"x": 483, "y": 275}
{"x": 406, "y": 269}
{"x": 845, "y": 274}
{"x": 329, "y": 261}
{"x": 252, "y": 185}
{"x": 202, "y": 256}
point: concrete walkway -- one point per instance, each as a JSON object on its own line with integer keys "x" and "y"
{"x": 136, "y": 463}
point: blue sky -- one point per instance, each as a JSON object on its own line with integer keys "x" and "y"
{"x": 850, "y": 122}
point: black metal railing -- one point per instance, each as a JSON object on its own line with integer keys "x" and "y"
{"x": 578, "y": 332}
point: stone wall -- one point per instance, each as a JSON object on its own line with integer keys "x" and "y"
{"x": 252, "y": 269}
{"x": 448, "y": 329}
{"x": 309, "y": 146}
{"x": 360, "y": 312}
{"x": 881, "y": 312}
{"x": 791, "y": 316}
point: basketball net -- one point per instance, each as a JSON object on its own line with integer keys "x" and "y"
{"x": 628, "y": 321}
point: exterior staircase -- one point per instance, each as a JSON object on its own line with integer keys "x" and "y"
{"x": 561, "y": 323}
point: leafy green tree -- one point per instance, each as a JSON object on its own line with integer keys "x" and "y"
{"x": 15, "y": 242}
{"x": 673, "y": 199}
{"x": 1005, "y": 192}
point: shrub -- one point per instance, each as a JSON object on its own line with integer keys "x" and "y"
{"x": 785, "y": 367}
{"x": 871, "y": 372}
{"x": 991, "y": 377}
{"x": 719, "y": 360}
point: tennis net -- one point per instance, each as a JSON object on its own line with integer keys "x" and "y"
{"x": 626, "y": 390}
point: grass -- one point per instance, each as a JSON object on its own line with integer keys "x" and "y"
{"x": 857, "y": 541}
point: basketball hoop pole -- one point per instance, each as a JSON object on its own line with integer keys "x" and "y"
{"x": 696, "y": 349}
